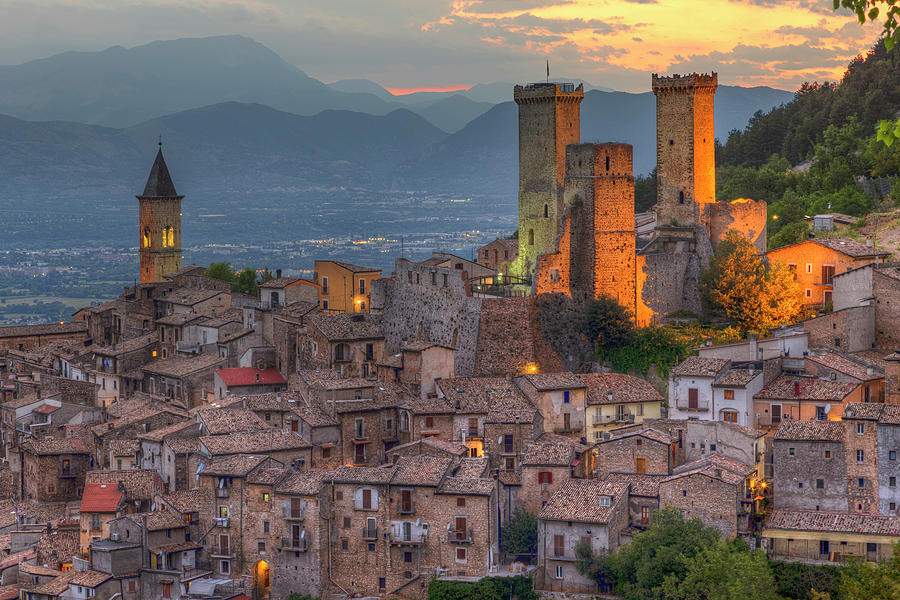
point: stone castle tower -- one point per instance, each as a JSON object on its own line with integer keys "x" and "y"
{"x": 685, "y": 147}
{"x": 160, "y": 224}
{"x": 549, "y": 120}
{"x": 600, "y": 188}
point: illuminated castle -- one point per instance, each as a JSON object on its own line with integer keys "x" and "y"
{"x": 160, "y": 224}
{"x": 596, "y": 250}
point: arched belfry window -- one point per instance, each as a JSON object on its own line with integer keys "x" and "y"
{"x": 145, "y": 238}
{"x": 170, "y": 237}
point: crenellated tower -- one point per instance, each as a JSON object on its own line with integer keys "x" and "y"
{"x": 549, "y": 120}
{"x": 685, "y": 147}
{"x": 159, "y": 233}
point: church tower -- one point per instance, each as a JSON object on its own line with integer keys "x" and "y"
{"x": 685, "y": 148}
{"x": 549, "y": 120}
{"x": 160, "y": 224}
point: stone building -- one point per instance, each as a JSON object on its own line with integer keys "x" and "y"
{"x": 816, "y": 536}
{"x": 545, "y": 467}
{"x": 561, "y": 399}
{"x": 286, "y": 447}
{"x": 810, "y": 470}
{"x": 100, "y": 503}
{"x": 843, "y": 367}
{"x": 283, "y": 291}
{"x": 582, "y": 510}
{"x": 616, "y": 399}
{"x": 186, "y": 381}
{"x": 643, "y": 499}
{"x": 644, "y": 451}
{"x": 351, "y": 344}
{"x": 498, "y": 255}
{"x": 53, "y": 469}
{"x": 26, "y": 337}
{"x": 159, "y": 234}
{"x": 691, "y": 387}
{"x": 802, "y": 398}
{"x": 243, "y": 381}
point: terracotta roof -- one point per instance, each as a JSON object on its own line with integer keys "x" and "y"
{"x": 641, "y": 485}
{"x": 279, "y": 282}
{"x": 124, "y": 447}
{"x": 303, "y": 482}
{"x": 139, "y": 484}
{"x": 737, "y": 378}
{"x": 188, "y": 501}
{"x": 554, "y": 381}
{"x": 220, "y": 421}
{"x": 510, "y": 477}
{"x": 868, "y": 411}
{"x": 232, "y": 315}
{"x": 645, "y": 432}
{"x": 579, "y": 500}
{"x": 51, "y": 328}
{"x": 60, "y": 545}
{"x": 314, "y": 417}
{"x": 189, "y": 296}
{"x": 548, "y": 454}
{"x": 850, "y": 247}
{"x": 134, "y": 417}
{"x": 183, "y": 445}
{"x": 267, "y": 475}
{"x": 714, "y": 466}
{"x": 158, "y": 435}
{"x": 241, "y": 376}
{"x": 624, "y": 388}
{"x": 230, "y": 337}
{"x": 810, "y": 431}
{"x": 255, "y": 442}
{"x": 846, "y": 366}
{"x": 130, "y": 345}
{"x": 840, "y": 522}
{"x": 329, "y": 379}
{"x": 483, "y": 394}
{"x": 421, "y": 469}
{"x": 471, "y": 468}
{"x": 101, "y": 497}
{"x": 54, "y": 446}
{"x": 373, "y": 475}
{"x": 465, "y": 486}
{"x": 793, "y": 387}
{"x": 159, "y": 520}
{"x": 274, "y": 401}
{"x": 38, "y": 570}
{"x": 178, "y": 319}
{"x": 428, "y": 406}
{"x": 694, "y": 366}
{"x": 351, "y": 267}
{"x": 180, "y": 547}
{"x": 235, "y": 464}
{"x": 46, "y": 409}
{"x": 180, "y": 366}
{"x": 348, "y": 326}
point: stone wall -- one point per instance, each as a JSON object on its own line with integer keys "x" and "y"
{"x": 536, "y": 490}
{"x": 861, "y": 454}
{"x": 807, "y": 465}
{"x": 847, "y": 330}
{"x": 886, "y": 290}
{"x": 415, "y": 309}
{"x": 155, "y": 214}
{"x": 701, "y": 497}
{"x": 888, "y": 441}
{"x": 748, "y": 217}
{"x": 620, "y": 455}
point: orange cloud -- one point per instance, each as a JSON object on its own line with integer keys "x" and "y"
{"x": 415, "y": 90}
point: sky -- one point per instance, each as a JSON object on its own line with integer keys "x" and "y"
{"x": 414, "y": 45}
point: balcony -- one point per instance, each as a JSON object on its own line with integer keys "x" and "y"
{"x": 66, "y": 474}
{"x": 295, "y": 544}
{"x": 624, "y": 417}
{"x": 222, "y": 521}
{"x": 560, "y": 554}
{"x": 370, "y": 533}
{"x": 221, "y": 551}
{"x": 460, "y": 536}
{"x": 412, "y": 538}
{"x": 292, "y": 514}
{"x": 566, "y": 430}
{"x": 221, "y": 492}
{"x": 683, "y": 404}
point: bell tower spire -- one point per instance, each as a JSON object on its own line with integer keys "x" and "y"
{"x": 159, "y": 233}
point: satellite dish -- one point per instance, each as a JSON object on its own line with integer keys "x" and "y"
{"x": 499, "y": 440}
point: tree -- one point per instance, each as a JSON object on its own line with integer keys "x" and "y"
{"x": 723, "y": 571}
{"x": 266, "y": 276}
{"x": 740, "y": 285}
{"x": 664, "y": 550}
{"x": 245, "y": 283}
{"x": 607, "y": 323}
{"x": 519, "y": 534}
{"x": 865, "y": 581}
{"x": 221, "y": 271}
{"x": 599, "y": 567}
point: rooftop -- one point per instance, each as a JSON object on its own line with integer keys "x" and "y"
{"x": 303, "y": 482}
{"x": 268, "y": 440}
{"x": 794, "y": 387}
{"x": 101, "y": 497}
{"x": 695, "y": 366}
{"x": 54, "y": 446}
{"x": 350, "y": 267}
{"x": 279, "y": 282}
{"x": 548, "y": 454}
{"x": 810, "y": 431}
{"x": 242, "y": 376}
{"x": 839, "y": 522}
{"x": 49, "y": 329}
{"x": 554, "y": 381}
{"x": 848, "y": 367}
{"x": 138, "y": 484}
{"x": 189, "y": 296}
{"x": 179, "y": 366}
{"x": 348, "y": 326}
{"x": 614, "y": 388}
{"x": 641, "y": 485}
{"x": 220, "y": 421}
{"x": 235, "y": 465}
{"x": 579, "y": 500}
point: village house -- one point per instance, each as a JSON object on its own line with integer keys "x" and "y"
{"x": 343, "y": 287}
{"x": 802, "y": 398}
{"x": 581, "y": 511}
{"x": 185, "y": 380}
{"x": 243, "y": 381}
{"x": 53, "y": 469}
{"x": 561, "y": 399}
{"x": 282, "y": 291}
{"x": 285, "y": 446}
{"x": 322, "y": 431}
{"x": 100, "y": 503}
{"x": 615, "y": 399}
{"x": 643, "y": 500}
{"x": 838, "y": 367}
{"x": 124, "y": 454}
{"x": 116, "y": 367}
{"x": 691, "y": 388}
{"x": 547, "y": 465}
{"x": 814, "y": 536}
{"x": 139, "y": 486}
{"x": 154, "y": 457}
{"x": 131, "y": 424}
{"x": 642, "y": 451}
{"x": 498, "y": 254}
{"x": 351, "y": 344}
{"x": 810, "y": 468}
{"x": 418, "y": 366}
{"x": 26, "y": 337}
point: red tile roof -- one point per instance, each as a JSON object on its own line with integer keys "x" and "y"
{"x": 813, "y": 520}
{"x": 615, "y": 388}
{"x": 101, "y": 497}
{"x": 250, "y": 376}
{"x": 792, "y": 387}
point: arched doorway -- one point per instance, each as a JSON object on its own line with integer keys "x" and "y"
{"x": 261, "y": 580}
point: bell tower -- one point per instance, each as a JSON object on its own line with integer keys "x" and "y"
{"x": 159, "y": 233}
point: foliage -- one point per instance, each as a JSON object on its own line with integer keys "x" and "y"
{"x": 872, "y": 10}
{"x": 661, "y": 552}
{"x": 865, "y": 581}
{"x": 645, "y": 192}
{"x": 796, "y": 580}
{"x": 607, "y": 323}
{"x": 221, "y": 271}
{"x": 486, "y": 588}
{"x": 245, "y": 283}
{"x": 655, "y": 345}
{"x": 740, "y": 285}
{"x": 266, "y": 276}
{"x": 519, "y": 534}
{"x": 599, "y": 567}
{"x": 724, "y": 571}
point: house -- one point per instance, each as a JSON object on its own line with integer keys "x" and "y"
{"x": 802, "y": 398}
{"x": 344, "y": 287}
{"x": 815, "y": 262}
{"x": 814, "y": 536}
{"x": 561, "y": 399}
{"x": 54, "y": 469}
{"x": 581, "y": 511}
{"x": 642, "y": 451}
{"x": 810, "y": 469}
{"x": 614, "y": 399}
{"x": 185, "y": 380}
{"x": 498, "y": 254}
{"x": 282, "y": 291}
{"x": 285, "y": 446}
{"x": 546, "y": 466}
{"x": 242, "y": 381}
{"x": 351, "y": 344}
{"x": 840, "y": 367}
{"x": 691, "y": 388}
{"x": 100, "y": 503}
{"x": 643, "y": 499}
{"x": 418, "y": 366}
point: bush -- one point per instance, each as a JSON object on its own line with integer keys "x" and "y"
{"x": 519, "y": 534}
{"x": 487, "y": 588}
{"x": 796, "y": 580}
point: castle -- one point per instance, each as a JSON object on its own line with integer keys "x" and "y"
{"x": 576, "y": 201}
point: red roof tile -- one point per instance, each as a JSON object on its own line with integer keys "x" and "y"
{"x": 250, "y": 376}
{"x": 101, "y": 497}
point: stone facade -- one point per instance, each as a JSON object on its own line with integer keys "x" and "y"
{"x": 810, "y": 470}
{"x": 642, "y": 453}
{"x": 159, "y": 234}
{"x": 845, "y": 330}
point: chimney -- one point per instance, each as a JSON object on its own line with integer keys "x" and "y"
{"x": 277, "y": 273}
{"x": 796, "y": 388}
{"x": 609, "y": 396}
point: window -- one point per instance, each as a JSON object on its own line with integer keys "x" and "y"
{"x": 860, "y": 455}
{"x": 729, "y": 416}
{"x": 545, "y": 477}
{"x": 791, "y": 451}
{"x": 892, "y": 455}
{"x": 645, "y": 515}
{"x": 808, "y": 293}
{"x": 531, "y": 237}
{"x": 460, "y": 555}
{"x": 325, "y": 287}
{"x": 823, "y": 547}
{"x": 166, "y": 590}
{"x": 800, "y": 484}
{"x": 362, "y": 286}
{"x": 382, "y": 584}
{"x": 566, "y": 397}
{"x": 266, "y": 527}
{"x": 681, "y": 193}
{"x": 345, "y": 545}
{"x": 429, "y": 422}
{"x": 461, "y": 502}
{"x": 371, "y": 547}
{"x": 132, "y": 585}
{"x": 367, "y": 499}
{"x": 265, "y": 497}
{"x": 559, "y": 545}
{"x": 809, "y": 268}
{"x": 261, "y": 547}
{"x": 607, "y": 163}
{"x": 407, "y": 557}
{"x": 640, "y": 465}
{"x": 546, "y": 211}
{"x": 860, "y": 428}
{"x": 508, "y": 444}
{"x": 604, "y": 501}
{"x": 861, "y": 482}
{"x": 406, "y": 501}
{"x": 820, "y": 413}
{"x": 892, "y": 482}
{"x": 358, "y": 429}
{"x": 827, "y": 274}
{"x": 893, "y": 506}
{"x": 346, "y": 522}
{"x": 324, "y": 304}
{"x": 559, "y": 572}
{"x": 225, "y": 567}
{"x": 729, "y": 394}
{"x": 828, "y": 454}
{"x": 445, "y": 280}
{"x": 693, "y": 399}
{"x": 820, "y": 484}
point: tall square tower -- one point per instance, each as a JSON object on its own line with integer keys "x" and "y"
{"x": 549, "y": 120}
{"x": 159, "y": 230}
{"x": 685, "y": 147}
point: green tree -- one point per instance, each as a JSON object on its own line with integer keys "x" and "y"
{"x": 599, "y": 567}
{"x": 221, "y": 271}
{"x": 664, "y": 550}
{"x": 519, "y": 534}
{"x": 245, "y": 283}
{"x": 740, "y": 285}
{"x": 723, "y": 571}
{"x": 607, "y": 323}
{"x": 865, "y": 581}
{"x": 266, "y": 276}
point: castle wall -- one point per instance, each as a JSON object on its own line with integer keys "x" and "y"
{"x": 552, "y": 274}
{"x": 747, "y": 217}
{"x": 416, "y": 306}
{"x": 669, "y": 282}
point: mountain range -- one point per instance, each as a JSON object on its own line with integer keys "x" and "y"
{"x": 78, "y": 130}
